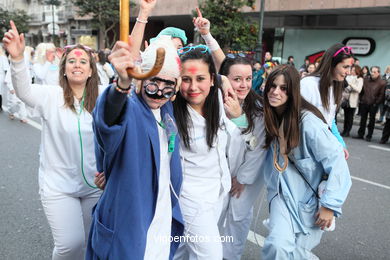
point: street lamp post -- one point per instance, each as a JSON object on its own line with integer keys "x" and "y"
{"x": 53, "y": 3}
{"x": 259, "y": 47}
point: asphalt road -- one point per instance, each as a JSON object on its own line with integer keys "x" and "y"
{"x": 362, "y": 232}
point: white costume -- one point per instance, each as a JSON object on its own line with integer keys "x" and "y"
{"x": 14, "y": 105}
{"x": 206, "y": 183}
{"x": 4, "y": 67}
{"x": 239, "y": 211}
{"x": 159, "y": 232}
{"x": 105, "y": 73}
{"x": 46, "y": 74}
{"x": 66, "y": 199}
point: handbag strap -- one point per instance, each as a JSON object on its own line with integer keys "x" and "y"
{"x": 304, "y": 178}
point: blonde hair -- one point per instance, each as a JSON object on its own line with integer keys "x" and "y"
{"x": 27, "y": 53}
{"x": 387, "y": 69}
{"x": 40, "y": 53}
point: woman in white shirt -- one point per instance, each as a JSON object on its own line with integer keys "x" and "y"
{"x": 323, "y": 88}
{"x": 247, "y": 181}
{"x": 205, "y": 132}
{"x": 67, "y": 159}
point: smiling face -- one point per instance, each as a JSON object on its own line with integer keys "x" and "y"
{"x": 77, "y": 67}
{"x": 277, "y": 94}
{"x": 196, "y": 83}
{"x": 240, "y": 77}
{"x": 342, "y": 69}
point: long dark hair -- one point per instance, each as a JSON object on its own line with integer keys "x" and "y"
{"x": 325, "y": 72}
{"x": 253, "y": 103}
{"x": 91, "y": 87}
{"x": 293, "y": 110}
{"x": 210, "y": 107}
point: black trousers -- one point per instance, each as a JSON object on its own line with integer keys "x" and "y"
{"x": 349, "y": 113}
{"x": 386, "y": 131}
{"x": 366, "y": 110}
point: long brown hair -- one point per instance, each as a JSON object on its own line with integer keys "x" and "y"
{"x": 91, "y": 87}
{"x": 294, "y": 107}
{"x": 325, "y": 71}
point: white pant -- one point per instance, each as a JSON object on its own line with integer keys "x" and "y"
{"x": 69, "y": 219}
{"x": 201, "y": 230}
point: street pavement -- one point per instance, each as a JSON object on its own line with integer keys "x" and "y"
{"x": 362, "y": 232}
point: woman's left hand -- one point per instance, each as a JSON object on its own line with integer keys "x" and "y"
{"x": 237, "y": 188}
{"x": 324, "y": 217}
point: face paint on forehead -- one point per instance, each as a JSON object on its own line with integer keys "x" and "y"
{"x": 78, "y": 53}
{"x": 193, "y": 69}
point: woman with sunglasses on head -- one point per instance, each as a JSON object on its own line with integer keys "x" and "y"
{"x": 67, "y": 159}
{"x": 301, "y": 152}
{"x": 205, "y": 134}
{"x": 324, "y": 87}
{"x": 247, "y": 181}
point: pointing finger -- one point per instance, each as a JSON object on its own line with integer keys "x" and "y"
{"x": 199, "y": 12}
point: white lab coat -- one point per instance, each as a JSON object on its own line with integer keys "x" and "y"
{"x": 238, "y": 212}
{"x": 310, "y": 90}
{"x": 206, "y": 182}
{"x": 46, "y": 74}
{"x": 60, "y": 165}
{"x": 15, "y": 106}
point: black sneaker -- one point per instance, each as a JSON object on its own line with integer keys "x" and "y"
{"x": 368, "y": 139}
{"x": 358, "y": 137}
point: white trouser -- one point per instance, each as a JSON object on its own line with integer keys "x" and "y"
{"x": 238, "y": 230}
{"x": 16, "y": 107}
{"x": 201, "y": 234}
{"x": 69, "y": 219}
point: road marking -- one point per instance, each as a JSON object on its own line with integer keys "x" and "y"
{"x": 34, "y": 124}
{"x": 252, "y": 237}
{"x": 371, "y": 182}
{"x": 379, "y": 148}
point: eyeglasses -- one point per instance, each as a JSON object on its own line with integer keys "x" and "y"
{"x": 346, "y": 49}
{"x": 201, "y": 47}
{"x": 152, "y": 87}
{"x": 233, "y": 56}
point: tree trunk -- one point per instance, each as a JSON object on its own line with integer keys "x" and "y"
{"x": 102, "y": 40}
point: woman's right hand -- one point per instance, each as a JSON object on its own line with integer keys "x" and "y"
{"x": 100, "y": 180}
{"x": 122, "y": 58}
{"x": 202, "y": 24}
{"x": 14, "y": 42}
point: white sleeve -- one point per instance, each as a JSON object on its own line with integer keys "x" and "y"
{"x": 33, "y": 96}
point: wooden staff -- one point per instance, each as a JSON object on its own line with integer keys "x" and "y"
{"x": 124, "y": 9}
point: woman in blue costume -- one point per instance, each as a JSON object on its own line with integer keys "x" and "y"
{"x": 302, "y": 151}
{"x": 138, "y": 214}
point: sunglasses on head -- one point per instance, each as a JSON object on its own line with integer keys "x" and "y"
{"x": 346, "y": 49}
{"x": 201, "y": 47}
{"x": 233, "y": 56}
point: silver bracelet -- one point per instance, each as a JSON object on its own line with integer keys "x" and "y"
{"x": 141, "y": 21}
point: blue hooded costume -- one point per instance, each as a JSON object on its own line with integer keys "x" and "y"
{"x": 129, "y": 154}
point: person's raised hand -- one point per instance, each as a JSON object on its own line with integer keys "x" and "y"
{"x": 232, "y": 105}
{"x": 122, "y": 59}
{"x": 202, "y": 24}
{"x": 146, "y": 7}
{"x": 14, "y": 42}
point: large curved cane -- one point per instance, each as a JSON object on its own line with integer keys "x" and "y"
{"x": 124, "y": 9}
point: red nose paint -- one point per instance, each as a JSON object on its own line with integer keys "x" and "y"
{"x": 78, "y": 53}
{"x": 193, "y": 70}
